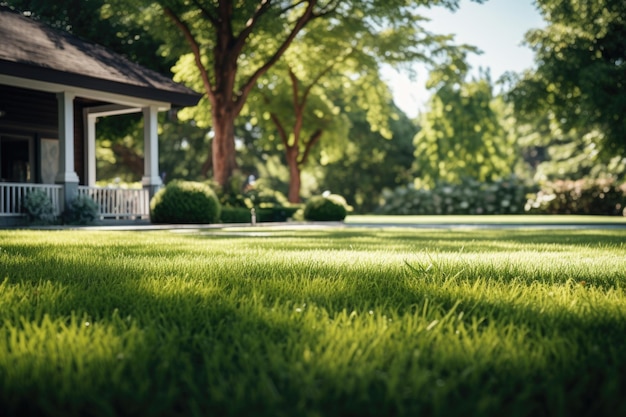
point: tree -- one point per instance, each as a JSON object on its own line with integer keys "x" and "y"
{"x": 330, "y": 65}
{"x": 462, "y": 135}
{"x": 234, "y": 43}
{"x": 294, "y": 110}
{"x": 581, "y": 70}
{"x": 297, "y": 97}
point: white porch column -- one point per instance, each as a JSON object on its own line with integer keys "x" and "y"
{"x": 90, "y": 153}
{"x": 66, "y": 175}
{"x": 151, "y": 178}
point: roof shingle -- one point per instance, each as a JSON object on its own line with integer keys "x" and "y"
{"x": 31, "y": 49}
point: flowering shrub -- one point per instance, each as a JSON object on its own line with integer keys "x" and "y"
{"x": 602, "y": 197}
{"x": 507, "y": 196}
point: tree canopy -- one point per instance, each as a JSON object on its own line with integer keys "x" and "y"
{"x": 581, "y": 69}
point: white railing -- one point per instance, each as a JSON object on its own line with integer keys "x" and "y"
{"x": 12, "y": 197}
{"x": 119, "y": 203}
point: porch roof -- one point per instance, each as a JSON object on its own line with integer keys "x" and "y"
{"x": 33, "y": 51}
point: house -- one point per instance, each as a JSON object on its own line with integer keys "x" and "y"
{"x": 53, "y": 88}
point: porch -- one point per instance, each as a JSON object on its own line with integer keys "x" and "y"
{"x": 53, "y": 89}
{"x": 113, "y": 203}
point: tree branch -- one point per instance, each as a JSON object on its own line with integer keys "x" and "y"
{"x": 250, "y": 24}
{"x": 294, "y": 87}
{"x": 306, "y": 16}
{"x": 206, "y": 13}
{"x": 281, "y": 130}
{"x": 293, "y": 6}
{"x": 313, "y": 139}
{"x": 326, "y": 70}
{"x": 195, "y": 48}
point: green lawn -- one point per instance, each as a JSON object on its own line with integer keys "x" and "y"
{"x": 346, "y": 322}
{"x": 495, "y": 219}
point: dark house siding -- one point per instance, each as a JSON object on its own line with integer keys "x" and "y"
{"x": 28, "y": 111}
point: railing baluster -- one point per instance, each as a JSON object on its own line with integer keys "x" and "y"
{"x": 119, "y": 203}
{"x": 113, "y": 203}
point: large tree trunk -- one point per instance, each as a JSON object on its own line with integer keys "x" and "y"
{"x": 294, "y": 175}
{"x": 223, "y": 147}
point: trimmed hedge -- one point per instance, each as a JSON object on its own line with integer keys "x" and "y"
{"x": 235, "y": 215}
{"x": 600, "y": 197}
{"x": 185, "y": 202}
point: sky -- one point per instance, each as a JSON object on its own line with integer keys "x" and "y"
{"x": 496, "y": 27}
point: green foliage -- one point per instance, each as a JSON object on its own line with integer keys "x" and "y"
{"x": 507, "y": 196}
{"x": 38, "y": 207}
{"x": 231, "y": 214}
{"x": 277, "y": 214}
{"x": 82, "y": 210}
{"x": 602, "y": 197}
{"x": 361, "y": 322}
{"x": 580, "y": 71}
{"x": 553, "y": 154}
{"x": 463, "y": 135}
{"x": 185, "y": 202}
{"x": 325, "y": 208}
{"x": 370, "y": 162}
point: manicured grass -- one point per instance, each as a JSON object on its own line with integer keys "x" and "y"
{"x": 495, "y": 219}
{"x": 340, "y": 322}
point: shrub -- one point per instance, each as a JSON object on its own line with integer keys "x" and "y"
{"x": 235, "y": 215}
{"x": 185, "y": 202}
{"x": 82, "y": 210}
{"x": 38, "y": 207}
{"x": 276, "y": 214}
{"x": 325, "y": 208}
{"x": 601, "y": 197}
{"x": 506, "y": 196}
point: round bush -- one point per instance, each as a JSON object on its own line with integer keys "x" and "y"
{"x": 185, "y": 202}
{"x": 325, "y": 208}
